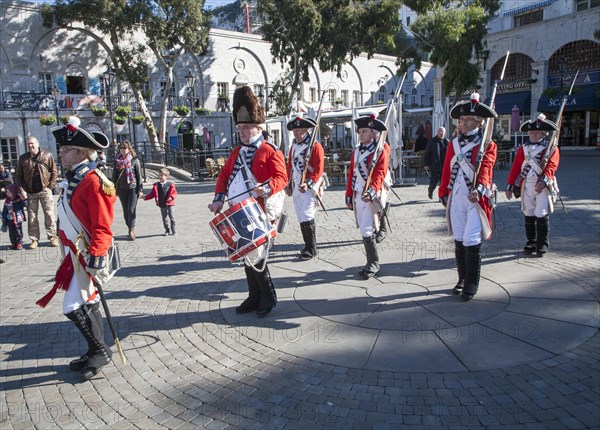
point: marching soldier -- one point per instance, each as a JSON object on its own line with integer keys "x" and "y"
{"x": 466, "y": 194}
{"x": 85, "y": 214}
{"x": 245, "y": 174}
{"x": 368, "y": 204}
{"x": 538, "y": 188}
{"x": 305, "y": 203}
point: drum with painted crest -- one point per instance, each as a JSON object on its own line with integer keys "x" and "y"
{"x": 242, "y": 228}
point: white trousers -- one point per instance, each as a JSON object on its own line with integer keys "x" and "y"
{"x": 73, "y": 299}
{"x": 364, "y": 213}
{"x": 464, "y": 215}
{"x": 534, "y": 204}
{"x": 305, "y": 205}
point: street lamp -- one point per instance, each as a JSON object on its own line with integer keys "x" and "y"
{"x": 127, "y": 94}
{"x": 56, "y": 98}
{"x": 109, "y": 80}
{"x": 190, "y": 81}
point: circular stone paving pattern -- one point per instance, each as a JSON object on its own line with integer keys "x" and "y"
{"x": 408, "y": 320}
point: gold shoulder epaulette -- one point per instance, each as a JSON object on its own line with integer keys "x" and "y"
{"x": 107, "y": 186}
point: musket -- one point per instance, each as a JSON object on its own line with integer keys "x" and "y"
{"x": 489, "y": 124}
{"x": 382, "y": 135}
{"x": 249, "y": 192}
{"x": 311, "y": 144}
{"x": 556, "y": 135}
{"x": 110, "y": 321}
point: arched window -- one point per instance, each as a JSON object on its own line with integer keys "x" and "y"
{"x": 518, "y": 67}
{"x": 578, "y": 55}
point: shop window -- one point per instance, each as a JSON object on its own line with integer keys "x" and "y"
{"x": 529, "y": 18}
{"x": 75, "y": 84}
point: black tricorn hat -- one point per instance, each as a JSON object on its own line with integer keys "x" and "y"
{"x": 371, "y": 122}
{"x": 539, "y": 124}
{"x": 472, "y": 107}
{"x": 301, "y": 123}
{"x": 70, "y": 134}
{"x": 246, "y": 107}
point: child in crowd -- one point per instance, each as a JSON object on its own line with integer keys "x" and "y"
{"x": 13, "y": 215}
{"x": 164, "y": 193}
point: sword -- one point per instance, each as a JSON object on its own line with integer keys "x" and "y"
{"x": 396, "y": 194}
{"x": 319, "y": 199}
{"x": 110, "y": 321}
{"x": 384, "y": 215}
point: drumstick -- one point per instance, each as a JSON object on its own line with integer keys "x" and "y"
{"x": 249, "y": 191}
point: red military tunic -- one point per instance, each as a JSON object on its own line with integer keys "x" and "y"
{"x": 379, "y": 173}
{"x": 483, "y": 178}
{"x": 267, "y": 163}
{"x": 316, "y": 164}
{"x": 548, "y": 172}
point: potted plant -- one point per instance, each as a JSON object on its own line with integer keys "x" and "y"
{"x": 137, "y": 119}
{"x": 99, "y": 111}
{"x": 122, "y": 110}
{"x": 182, "y": 110}
{"x": 203, "y": 111}
{"x": 47, "y": 119}
{"x": 64, "y": 119}
{"x": 120, "y": 119}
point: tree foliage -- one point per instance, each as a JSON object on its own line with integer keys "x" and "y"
{"x": 326, "y": 33}
{"x": 453, "y": 33}
{"x": 170, "y": 27}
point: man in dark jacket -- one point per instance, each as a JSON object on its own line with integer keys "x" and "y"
{"x": 36, "y": 174}
{"x": 435, "y": 153}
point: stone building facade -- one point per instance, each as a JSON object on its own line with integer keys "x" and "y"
{"x": 34, "y": 60}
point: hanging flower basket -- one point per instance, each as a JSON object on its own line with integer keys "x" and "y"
{"x": 47, "y": 119}
{"x": 182, "y": 110}
{"x": 120, "y": 119}
{"x": 122, "y": 110}
{"x": 64, "y": 119}
{"x": 203, "y": 111}
{"x": 99, "y": 111}
{"x": 137, "y": 119}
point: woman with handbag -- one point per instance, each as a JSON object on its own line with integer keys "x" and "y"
{"x": 127, "y": 177}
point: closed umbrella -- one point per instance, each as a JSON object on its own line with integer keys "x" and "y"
{"x": 515, "y": 123}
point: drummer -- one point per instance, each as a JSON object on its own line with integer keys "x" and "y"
{"x": 254, "y": 169}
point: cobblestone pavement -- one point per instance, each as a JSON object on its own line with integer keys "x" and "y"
{"x": 397, "y": 351}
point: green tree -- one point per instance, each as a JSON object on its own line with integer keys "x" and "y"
{"x": 327, "y": 33}
{"x": 169, "y": 28}
{"x": 452, "y": 33}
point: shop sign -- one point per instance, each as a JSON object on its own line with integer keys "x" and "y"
{"x": 514, "y": 86}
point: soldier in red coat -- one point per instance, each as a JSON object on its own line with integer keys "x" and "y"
{"x": 536, "y": 169}
{"x": 369, "y": 202}
{"x": 85, "y": 214}
{"x": 467, "y": 194}
{"x": 245, "y": 173}
{"x": 305, "y": 203}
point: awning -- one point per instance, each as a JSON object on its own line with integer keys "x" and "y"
{"x": 505, "y": 102}
{"x": 584, "y": 98}
{"x": 530, "y": 6}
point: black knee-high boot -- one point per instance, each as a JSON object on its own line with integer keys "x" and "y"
{"x": 459, "y": 253}
{"x": 530, "y": 232}
{"x": 543, "y": 228}
{"x": 268, "y": 296}
{"x": 253, "y": 300}
{"x": 372, "y": 266}
{"x": 309, "y": 235}
{"x": 89, "y": 321}
{"x": 473, "y": 271}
